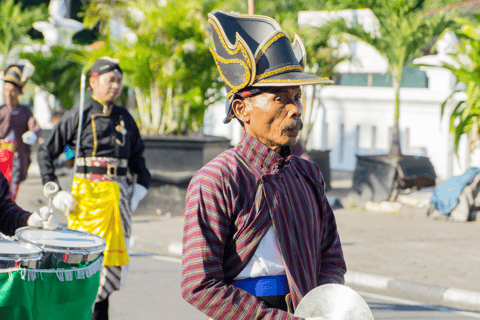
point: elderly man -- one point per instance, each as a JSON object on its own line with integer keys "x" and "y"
{"x": 18, "y": 128}
{"x": 101, "y": 199}
{"x": 259, "y": 233}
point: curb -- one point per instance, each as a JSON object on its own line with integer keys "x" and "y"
{"x": 428, "y": 290}
{"x": 174, "y": 249}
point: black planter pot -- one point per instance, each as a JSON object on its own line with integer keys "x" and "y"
{"x": 378, "y": 177}
{"x": 322, "y": 159}
{"x": 172, "y": 161}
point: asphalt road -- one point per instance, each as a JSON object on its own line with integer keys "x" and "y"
{"x": 152, "y": 291}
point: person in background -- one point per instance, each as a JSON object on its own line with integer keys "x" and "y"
{"x": 18, "y": 128}
{"x": 259, "y": 233}
{"x": 101, "y": 200}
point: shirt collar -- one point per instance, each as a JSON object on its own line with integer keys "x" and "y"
{"x": 105, "y": 109}
{"x": 259, "y": 155}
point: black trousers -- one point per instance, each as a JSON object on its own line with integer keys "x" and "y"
{"x": 100, "y": 310}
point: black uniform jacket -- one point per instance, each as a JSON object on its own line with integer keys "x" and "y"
{"x": 106, "y": 132}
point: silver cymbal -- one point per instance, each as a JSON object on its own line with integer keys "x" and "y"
{"x": 333, "y": 302}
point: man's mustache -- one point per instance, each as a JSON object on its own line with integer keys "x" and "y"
{"x": 295, "y": 125}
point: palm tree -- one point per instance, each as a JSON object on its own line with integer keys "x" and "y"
{"x": 15, "y": 24}
{"x": 465, "y": 117}
{"x": 402, "y": 30}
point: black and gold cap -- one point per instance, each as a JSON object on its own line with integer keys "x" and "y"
{"x": 253, "y": 51}
{"x": 18, "y": 74}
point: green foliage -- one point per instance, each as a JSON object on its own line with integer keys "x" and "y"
{"x": 465, "y": 116}
{"x": 60, "y": 77}
{"x": 15, "y": 24}
{"x": 169, "y": 66}
{"x": 402, "y": 31}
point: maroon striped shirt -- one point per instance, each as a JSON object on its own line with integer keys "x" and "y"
{"x": 231, "y": 203}
{"x": 12, "y": 216}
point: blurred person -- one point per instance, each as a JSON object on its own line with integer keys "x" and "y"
{"x": 259, "y": 233}
{"x": 13, "y": 217}
{"x": 18, "y": 128}
{"x": 102, "y": 199}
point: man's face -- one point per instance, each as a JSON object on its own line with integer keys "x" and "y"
{"x": 107, "y": 87}
{"x": 273, "y": 117}
{"x": 10, "y": 94}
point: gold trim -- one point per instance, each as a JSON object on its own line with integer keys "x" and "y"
{"x": 271, "y": 73}
{"x": 264, "y": 47}
{"x": 234, "y": 89}
{"x": 244, "y": 16}
{"x": 298, "y": 40}
{"x": 105, "y": 113}
{"x": 241, "y": 45}
{"x": 10, "y": 78}
{"x": 233, "y": 49}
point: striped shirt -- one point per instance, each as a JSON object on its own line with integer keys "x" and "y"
{"x": 231, "y": 203}
{"x": 12, "y": 216}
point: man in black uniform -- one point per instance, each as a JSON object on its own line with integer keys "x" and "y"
{"x": 101, "y": 200}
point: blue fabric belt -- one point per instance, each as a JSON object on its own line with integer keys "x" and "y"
{"x": 264, "y": 286}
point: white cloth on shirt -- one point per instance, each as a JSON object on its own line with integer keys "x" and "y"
{"x": 267, "y": 260}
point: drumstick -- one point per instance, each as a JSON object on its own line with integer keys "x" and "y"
{"x": 80, "y": 124}
{"x": 4, "y": 236}
{"x": 50, "y": 190}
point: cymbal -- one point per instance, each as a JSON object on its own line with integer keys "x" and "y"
{"x": 333, "y": 302}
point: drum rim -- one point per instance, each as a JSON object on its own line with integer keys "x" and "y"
{"x": 26, "y": 256}
{"x": 88, "y": 250}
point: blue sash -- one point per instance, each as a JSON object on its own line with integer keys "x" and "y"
{"x": 264, "y": 286}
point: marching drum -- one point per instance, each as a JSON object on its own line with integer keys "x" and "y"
{"x": 63, "y": 247}
{"x": 14, "y": 254}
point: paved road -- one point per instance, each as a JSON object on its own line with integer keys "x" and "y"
{"x": 152, "y": 292}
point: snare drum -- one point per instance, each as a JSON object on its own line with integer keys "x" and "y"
{"x": 15, "y": 254}
{"x": 63, "y": 247}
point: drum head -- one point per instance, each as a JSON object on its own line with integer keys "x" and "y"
{"x": 15, "y": 249}
{"x": 61, "y": 239}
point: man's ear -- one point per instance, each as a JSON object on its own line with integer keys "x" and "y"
{"x": 240, "y": 109}
{"x": 92, "y": 81}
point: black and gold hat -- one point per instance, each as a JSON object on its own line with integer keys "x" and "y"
{"x": 18, "y": 74}
{"x": 253, "y": 51}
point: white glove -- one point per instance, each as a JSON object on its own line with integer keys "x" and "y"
{"x": 138, "y": 194}
{"x": 316, "y": 318}
{"x": 42, "y": 218}
{"x": 29, "y": 138}
{"x": 65, "y": 202}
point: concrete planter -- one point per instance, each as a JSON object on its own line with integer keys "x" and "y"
{"x": 172, "y": 161}
{"x": 378, "y": 177}
{"x": 322, "y": 159}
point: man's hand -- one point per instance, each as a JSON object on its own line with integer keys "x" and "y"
{"x": 139, "y": 192}
{"x": 42, "y": 218}
{"x": 29, "y": 138}
{"x": 65, "y": 202}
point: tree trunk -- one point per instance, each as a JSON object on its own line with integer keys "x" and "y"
{"x": 395, "y": 147}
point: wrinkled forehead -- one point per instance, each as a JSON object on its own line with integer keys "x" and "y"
{"x": 287, "y": 90}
